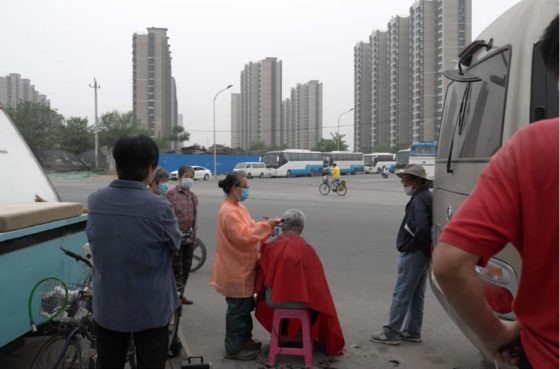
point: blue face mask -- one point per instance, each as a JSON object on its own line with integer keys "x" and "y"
{"x": 163, "y": 187}
{"x": 187, "y": 182}
{"x": 244, "y": 195}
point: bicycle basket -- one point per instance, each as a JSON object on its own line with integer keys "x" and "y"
{"x": 325, "y": 179}
{"x": 343, "y": 182}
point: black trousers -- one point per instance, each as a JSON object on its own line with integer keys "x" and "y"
{"x": 182, "y": 263}
{"x": 151, "y": 347}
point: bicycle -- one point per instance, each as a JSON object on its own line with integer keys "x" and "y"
{"x": 68, "y": 313}
{"x": 338, "y": 187}
{"x": 199, "y": 255}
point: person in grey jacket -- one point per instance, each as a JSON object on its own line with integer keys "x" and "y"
{"x": 413, "y": 242}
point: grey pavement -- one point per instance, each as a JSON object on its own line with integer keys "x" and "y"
{"x": 354, "y": 236}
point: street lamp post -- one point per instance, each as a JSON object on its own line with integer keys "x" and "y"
{"x": 219, "y": 92}
{"x": 338, "y": 129}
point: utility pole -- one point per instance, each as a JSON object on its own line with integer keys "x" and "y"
{"x": 96, "y": 129}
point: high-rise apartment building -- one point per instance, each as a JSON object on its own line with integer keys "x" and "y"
{"x": 303, "y": 116}
{"x": 15, "y": 90}
{"x": 362, "y": 97}
{"x": 154, "y": 97}
{"x": 422, "y": 71}
{"x": 419, "y": 49}
{"x": 399, "y": 95}
{"x": 236, "y": 140}
{"x": 453, "y": 32}
{"x": 261, "y": 103}
{"x": 379, "y": 87}
{"x": 289, "y": 135}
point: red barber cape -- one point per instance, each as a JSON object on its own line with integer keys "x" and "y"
{"x": 292, "y": 270}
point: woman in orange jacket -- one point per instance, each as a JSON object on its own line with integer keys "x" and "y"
{"x": 235, "y": 260}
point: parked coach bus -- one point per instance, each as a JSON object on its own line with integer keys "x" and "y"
{"x": 288, "y": 163}
{"x": 348, "y": 162}
{"x": 402, "y": 159}
{"x": 500, "y": 85}
{"x": 375, "y": 161}
{"x": 424, "y": 153}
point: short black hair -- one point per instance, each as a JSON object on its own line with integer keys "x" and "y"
{"x": 232, "y": 179}
{"x": 184, "y": 169}
{"x": 134, "y": 156}
{"x": 549, "y": 46}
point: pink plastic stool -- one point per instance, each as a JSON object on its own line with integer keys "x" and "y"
{"x": 306, "y": 342}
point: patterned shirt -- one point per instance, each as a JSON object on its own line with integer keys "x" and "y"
{"x": 185, "y": 204}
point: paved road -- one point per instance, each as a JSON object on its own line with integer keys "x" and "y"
{"x": 354, "y": 236}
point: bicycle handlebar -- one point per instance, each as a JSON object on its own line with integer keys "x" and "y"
{"x": 77, "y": 257}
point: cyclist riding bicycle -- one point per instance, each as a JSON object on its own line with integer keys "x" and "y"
{"x": 335, "y": 175}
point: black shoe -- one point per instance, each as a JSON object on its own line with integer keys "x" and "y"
{"x": 252, "y": 345}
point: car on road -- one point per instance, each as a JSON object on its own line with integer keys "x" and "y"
{"x": 253, "y": 169}
{"x": 199, "y": 173}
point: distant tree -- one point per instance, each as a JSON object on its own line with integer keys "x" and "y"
{"x": 325, "y": 145}
{"x": 337, "y": 137}
{"x": 178, "y": 134}
{"x": 258, "y": 148}
{"x": 76, "y": 136}
{"x": 114, "y": 124}
{"x": 383, "y": 148}
{"x": 331, "y": 144}
{"x": 39, "y": 125}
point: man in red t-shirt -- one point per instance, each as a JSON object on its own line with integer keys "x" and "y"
{"x": 515, "y": 201}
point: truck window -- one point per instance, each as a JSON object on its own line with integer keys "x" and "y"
{"x": 480, "y": 114}
{"x": 544, "y": 89}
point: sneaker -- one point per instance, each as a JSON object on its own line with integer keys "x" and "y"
{"x": 404, "y": 335}
{"x": 382, "y": 338}
{"x": 243, "y": 355}
{"x": 252, "y": 345}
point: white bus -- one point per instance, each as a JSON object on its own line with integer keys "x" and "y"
{"x": 503, "y": 85}
{"x": 374, "y": 162}
{"x": 290, "y": 162}
{"x": 402, "y": 159}
{"x": 348, "y": 162}
{"x": 424, "y": 153}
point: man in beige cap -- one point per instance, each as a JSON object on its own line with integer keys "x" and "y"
{"x": 413, "y": 242}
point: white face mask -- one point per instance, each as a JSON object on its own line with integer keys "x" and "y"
{"x": 408, "y": 190}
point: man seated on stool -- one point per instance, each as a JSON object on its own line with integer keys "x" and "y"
{"x": 290, "y": 270}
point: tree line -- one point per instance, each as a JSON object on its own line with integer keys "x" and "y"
{"x": 44, "y": 129}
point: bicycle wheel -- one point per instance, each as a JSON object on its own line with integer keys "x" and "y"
{"x": 174, "y": 344}
{"x": 52, "y": 355}
{"x": 324, "y": 189}
{"x": 341, "y": 189}
{"x": 47, "y": 300}
{"x": 199, "y": 255}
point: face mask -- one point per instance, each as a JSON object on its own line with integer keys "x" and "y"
{"x": 408, "y": 190}
{"x": 187, "y": 182}
{"x": 244, "y": 195}
{"x": 163, "y": 187}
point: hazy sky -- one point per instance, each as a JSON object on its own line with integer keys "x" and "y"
{"x": 61, "y": 45}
